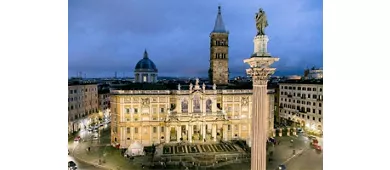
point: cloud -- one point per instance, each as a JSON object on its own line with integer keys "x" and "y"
{"x": 109, "y": 36}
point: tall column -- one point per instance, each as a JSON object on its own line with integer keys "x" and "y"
{"x": 190, "y": 131}
{"x": 224, "y": 129}
{"x": 203, "y": 132}
{"x": 158, "y": 134}
{"x": 178, "y": 132}
{"x": 214, "y": 132}
{"x": 178, "y": 104}
{"x": 260, "y": 72}
{"x": 167, "y": 134}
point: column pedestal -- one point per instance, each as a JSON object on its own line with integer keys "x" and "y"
{"x": 280, "y": 131}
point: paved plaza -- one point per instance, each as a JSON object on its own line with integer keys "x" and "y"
{"x": 305, "y": 158}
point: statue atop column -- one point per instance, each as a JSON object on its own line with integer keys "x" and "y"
{"x": 261, "y": 22}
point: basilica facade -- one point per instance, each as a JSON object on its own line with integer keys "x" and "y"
{"x": 189, "y": 113}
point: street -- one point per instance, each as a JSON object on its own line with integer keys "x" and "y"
{"x": 310, "y": 160}
{"x": 86, "y": 137}
{"x": 83, "y": 166}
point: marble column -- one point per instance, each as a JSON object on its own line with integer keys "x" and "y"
{"x": 178, "y": 132}
{"x": 203, "y": 132}
{"x": 224, "y": 129}
{"x": 260, "y": 71}
{"x": 167, "y": 134}
{"x": 214, "y": 132}
{"x": 190, "y": 130}
{"x": 288, "y": 131}
{"x": 280, "y": 131}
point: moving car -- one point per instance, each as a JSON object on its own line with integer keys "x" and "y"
{"x": 282, "y": 167}
{"x": 72, "y": 165}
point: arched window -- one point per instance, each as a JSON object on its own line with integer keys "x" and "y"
{"x": 196, "y": 105}
{"x": 208, "y": 106}
{"x": 184, "y": 106}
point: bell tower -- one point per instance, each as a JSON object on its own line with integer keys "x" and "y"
{"x": 219, "y": 58}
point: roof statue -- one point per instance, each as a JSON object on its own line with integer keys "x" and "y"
{"x": 214, "y": 87}
{"x": 261, "y": 22}
{"x": 178, "y": 87}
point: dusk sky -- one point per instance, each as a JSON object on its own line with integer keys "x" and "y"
{"x": 108, "y": 36}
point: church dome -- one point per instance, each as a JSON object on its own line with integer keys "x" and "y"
{"x": 146, "y": 64}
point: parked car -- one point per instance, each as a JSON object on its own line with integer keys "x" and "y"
{"x": 72, "y": 165}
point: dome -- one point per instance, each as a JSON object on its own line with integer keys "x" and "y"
{"x": 146, "y": 64}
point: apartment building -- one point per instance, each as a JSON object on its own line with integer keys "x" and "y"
{"x": 301, "y": 102}
{"x": 82, "y": 102}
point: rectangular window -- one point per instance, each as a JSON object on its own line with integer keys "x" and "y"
{"x": 319, "y": 119}
{"x": 128, "y": 130}
{"x": 319, "y": 112}
{"x": 127, "y": 110}
{"x": 320, "y": 89}
{"x": 293, "y": 88}
{"x": 314, "y": 110}
{"x": 308, "y": 96}
{"x": 162, "y": 129}
{"x": 135, "y": 119}
{"x": 308, "y": 117}
{"x": 314, "y": 96}
{"x": 154, "y": 129}
{"x": 228, "y": 127}
{"x": 319, "y": 104}
{"x": 314, "y": 103}
{"x": 314, "y": 89}
{"x": 161, "y": 110}
{"x": 135, "y": 110}
{"x": 299, "y": 88}
{"x": 314, "y": 118}
{"x": 135, "y": 130}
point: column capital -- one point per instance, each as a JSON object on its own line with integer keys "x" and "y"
{"x": 260, "y": 75}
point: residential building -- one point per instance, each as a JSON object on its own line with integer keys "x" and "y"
{"x": 82, "y": 102}
{"x": 301, "y": 102}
